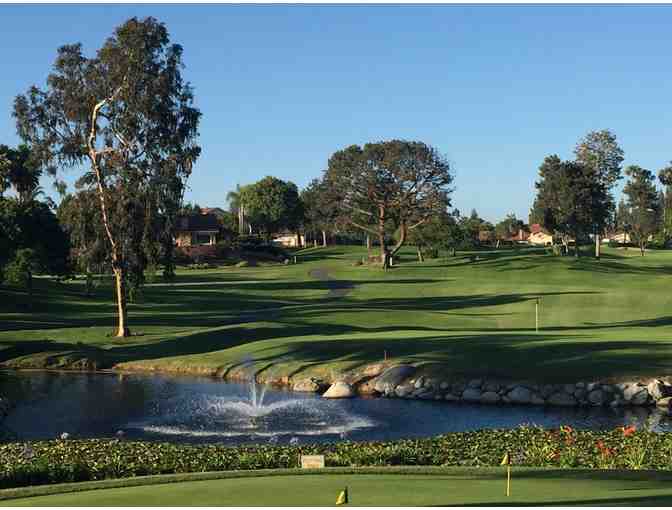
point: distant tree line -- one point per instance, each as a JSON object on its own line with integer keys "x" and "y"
{"x": 575, "y": 199}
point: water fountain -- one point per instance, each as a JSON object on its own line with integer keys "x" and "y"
{"x": 247, "y": 412}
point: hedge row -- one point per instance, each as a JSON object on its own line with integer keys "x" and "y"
{"x": 72, "y": 460}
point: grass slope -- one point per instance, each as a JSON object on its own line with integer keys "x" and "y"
{"x": 600, "y": 319}
{"x": 411, "y": 487}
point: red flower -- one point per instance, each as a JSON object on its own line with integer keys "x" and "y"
{"x": 628, "y": 430}
{"x": 566, "y": 429}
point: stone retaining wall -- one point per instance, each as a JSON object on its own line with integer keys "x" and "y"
{"x": 406, "y": 381}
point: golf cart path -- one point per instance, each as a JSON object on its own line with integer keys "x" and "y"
{"x": 337, "y": 288}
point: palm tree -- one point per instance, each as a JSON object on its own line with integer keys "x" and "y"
{"x": 236, "y": 206}
{"x": 18, "y": 170}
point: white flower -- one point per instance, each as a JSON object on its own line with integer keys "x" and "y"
{"x": 294, "y": 440}
{"x": 65, "y": 435}
{"x": 119, "y": 434}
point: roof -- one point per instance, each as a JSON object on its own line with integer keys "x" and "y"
{"x": 197, "y": 222}
{"x": 217, "y": 211}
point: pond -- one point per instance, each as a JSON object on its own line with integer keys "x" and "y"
{"x": 201, "y": 409}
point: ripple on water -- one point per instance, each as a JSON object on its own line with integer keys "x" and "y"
{"x": 226, "y": 417}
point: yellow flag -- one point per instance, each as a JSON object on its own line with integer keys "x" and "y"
{"x": 506, "y": 461}
{"x": 342, "y": 497}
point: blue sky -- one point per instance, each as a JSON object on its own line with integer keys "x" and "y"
{"x": 495, "y": 88}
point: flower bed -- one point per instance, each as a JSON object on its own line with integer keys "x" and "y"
{"x": 72, "y": 460}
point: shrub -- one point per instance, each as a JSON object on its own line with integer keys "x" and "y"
{"x": 95, "y": 459}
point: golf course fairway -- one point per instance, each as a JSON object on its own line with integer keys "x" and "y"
{"x": 391, "y": 487}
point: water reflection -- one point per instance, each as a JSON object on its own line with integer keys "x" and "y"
{"x": 197, "y": 409}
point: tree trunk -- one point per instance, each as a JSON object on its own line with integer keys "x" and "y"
{"x": 122, "y": 314}
{"x": 384, "y": 254}
{"x": 368, "y": 242}
{"x": 298, "y": 240}
{"x": 642, "y": 248}
{"x": 597, "y": 245}
{"x": 30, "y": 288}
{"x": 324, "y": 238}
{"x": 421, "y": 258}
{"x": 402, "y": 239}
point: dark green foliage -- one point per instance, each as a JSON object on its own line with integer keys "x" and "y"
{"x": 643, "y": 205}
{"x": 33, "y": 226}
{"x": 272, "y": 205}
{"x": 126, "y": 116}
{"x": 386, "y": 187}
{"x": 19, "y": 170}
{"x": 95, "y": 459}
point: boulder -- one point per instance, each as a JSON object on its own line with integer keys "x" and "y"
{"x": 339, "y": 389}
{"x": 374, "y": 370}
{"x": 491, "y": 386}
{"x": 561, "y": 399}
{"x": 537, "y": 400}
{"x": 471, "y": 395}
{"x": 451, "y": 398}
{"x": 547, "y": 390}
{"x": 402, "y": 390}
{"x": 596, "y": 397}
{"x": 366, "y": 388}
{"x": 520, "y": 395}
{"x": 458, "y": 387}
{"x": 490, "y": 397}
{"x": 569, "y": 388}
{"x": 392, "y": 377}
{"x": 658, "y": 389}
{"x": 475, "y": 383}
{"x": 640, "y": 398}
{"x": 312, "y": 385}
{"x": 444, "y": 385}
{"x": 420, "y": 382}
{"x": 632, "y": 389}
{"x": 664, "y": 403}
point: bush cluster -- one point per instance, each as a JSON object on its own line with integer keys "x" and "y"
{"x": 73, "y": 460}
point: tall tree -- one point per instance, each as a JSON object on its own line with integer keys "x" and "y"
{"x": 237, "y": 208}
{"x": 398, "y": 184}
{"x": 567, "y": 196}
{"x": 272, "y": 205}
{"x": 320, "y": 212}
{"x": 642, "y": 203}
{"x": 665, "y": 178}
{"x": 129, "y": 114}
{"x": 600, "y": 153}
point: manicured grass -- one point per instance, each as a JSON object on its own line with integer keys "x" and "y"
{"x": 397, "y": 487}
{"x": 599, "y": 319}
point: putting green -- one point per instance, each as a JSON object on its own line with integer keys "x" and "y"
{"x": 445, "y": 487}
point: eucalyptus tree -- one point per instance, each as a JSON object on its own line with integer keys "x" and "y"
{"x": 600, "y": 153}
{"x": 395, "y": 185}
{"x": 128, "y": 116}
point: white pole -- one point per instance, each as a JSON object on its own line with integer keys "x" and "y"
{"x": 536, "y": 315}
